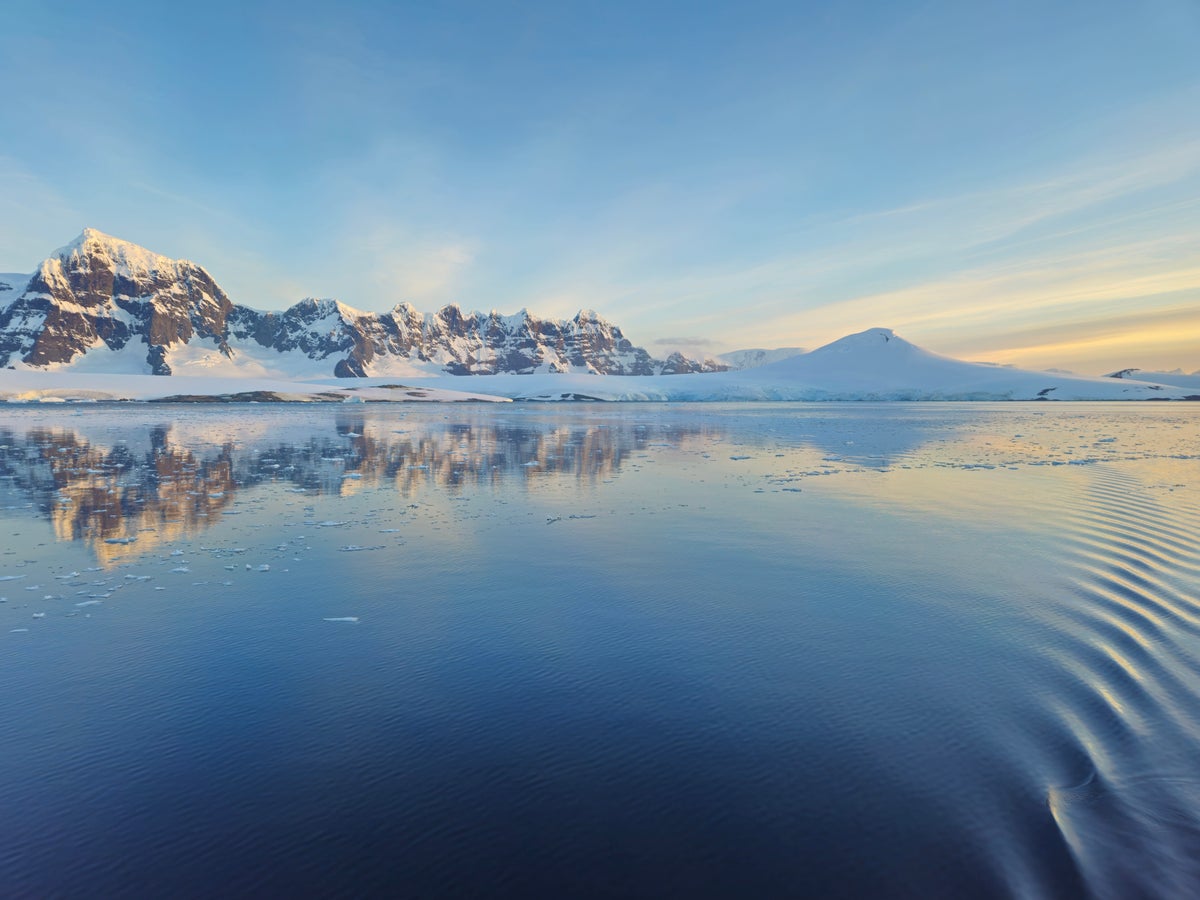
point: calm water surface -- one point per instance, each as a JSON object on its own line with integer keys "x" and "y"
{"x": 600, "y": 650}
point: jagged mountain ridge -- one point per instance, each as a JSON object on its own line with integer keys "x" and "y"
{"x": 109, "y": 305}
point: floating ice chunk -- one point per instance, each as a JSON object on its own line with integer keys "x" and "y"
{"x": 330, "y": 524}
{"x": 739, "y": 457}
{"x": 263, "y": 568}
{"x": 352, "y": 620}
{"x": 39, "y": 615}
{"x": 124, "y": 540}
{"x": 11, "y": 577}
{"x": 17, "y": 630}
{"x": 83, "y": 603}
{"x": 181, "y": 569}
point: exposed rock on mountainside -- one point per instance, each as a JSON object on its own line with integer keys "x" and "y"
{"x": 124, "y": 309}
{"x": 101, "y": 292}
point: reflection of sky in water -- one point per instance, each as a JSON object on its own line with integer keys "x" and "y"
{"x": 783, "y": 639}
{"x": 118, "y": 485}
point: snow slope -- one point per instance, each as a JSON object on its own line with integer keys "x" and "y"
{"x": 24, "y": 386}
{"x": 11, "y": 285}
{"x": 1175, "y": 379}
{"x": 752, "y": 359}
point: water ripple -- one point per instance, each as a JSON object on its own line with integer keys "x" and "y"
{"x": 1132, "y": 820}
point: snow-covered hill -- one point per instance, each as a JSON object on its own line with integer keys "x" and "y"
{"x": 752, "y": 359}
{"x": 101, "y": 304}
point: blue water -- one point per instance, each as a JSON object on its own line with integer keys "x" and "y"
{"x": 600, "y": 650}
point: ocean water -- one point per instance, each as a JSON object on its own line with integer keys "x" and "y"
{"x": 927, "y": 650}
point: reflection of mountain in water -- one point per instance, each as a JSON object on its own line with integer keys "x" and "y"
{"x": 105, "y": 495}
{"x": 112, "y": 496}
{"x": 889, "y": 434}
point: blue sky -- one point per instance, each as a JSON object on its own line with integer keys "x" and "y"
{"x": 1011, "y": 181}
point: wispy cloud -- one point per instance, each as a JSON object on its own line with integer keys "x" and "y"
{"x": 392, "y": 263}
{"x": 1124, "y": 229}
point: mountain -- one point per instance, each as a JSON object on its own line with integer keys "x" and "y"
{"x": 752, "y": 359}
{"x": 878, "y": 364}
{"x": 873, "y": 365}
{"x": 101, "y": 304}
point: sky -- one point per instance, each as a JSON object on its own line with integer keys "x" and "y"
{"x": 1015, "y": 182}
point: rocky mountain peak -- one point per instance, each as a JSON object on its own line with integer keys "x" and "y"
{"x": 103, "y": 295}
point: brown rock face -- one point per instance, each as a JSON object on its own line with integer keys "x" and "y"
{"x": 100, "y": 290}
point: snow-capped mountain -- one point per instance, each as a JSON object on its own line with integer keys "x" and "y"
{"x": 752, "y": 359}
{"x": 876, "y": 364}
{"x": 873, "y": 365}
{"x": 101, "y": 304}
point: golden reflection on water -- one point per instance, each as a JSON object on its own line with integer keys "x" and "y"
{"x": 157, "y": 485}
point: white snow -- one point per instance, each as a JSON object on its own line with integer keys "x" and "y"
{"x": 99, "y": 360}
{"x": 753, "y": 358}
{"x": 38, "y": 386}
{"x": 1175, "y": 379}
{"x": 129, "y": 260}
{"x": 12, "y": 284}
